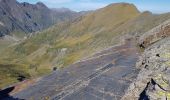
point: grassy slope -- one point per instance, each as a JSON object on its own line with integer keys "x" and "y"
{"x": 65, "y": 43}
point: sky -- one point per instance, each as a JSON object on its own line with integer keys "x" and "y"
{"x": 155, "y": 6}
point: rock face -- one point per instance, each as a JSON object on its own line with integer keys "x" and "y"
{"x": 25, "y": 17}
{"x": 155, "y": 34}
{"x": 153, "y": 82}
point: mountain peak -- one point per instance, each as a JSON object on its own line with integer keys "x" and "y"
{"x": 27, "y": 17}
{"x": 8, "y": 1}
{"x": 147, "y": 12}
{"x": 123, "y": 6}
{"x": 61, "y": 9}
{"x": 41, "y": 4}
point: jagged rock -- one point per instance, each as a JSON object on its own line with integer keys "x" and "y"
{"x": 153, "y": 81}
{"x": 155, "y": 34}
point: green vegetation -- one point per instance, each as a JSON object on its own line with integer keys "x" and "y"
{"x": 4, "y": 43}
{"x": 10, "y": 72}
{"x": 68, "y": 42}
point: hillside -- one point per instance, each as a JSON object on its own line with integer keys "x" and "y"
{"x": 17, "y": 20}
{"x": 112, "y": 74}
{"x": 23, "y": 17}
{"x": 106, "y": 75}
{"x": 65, "y": 43}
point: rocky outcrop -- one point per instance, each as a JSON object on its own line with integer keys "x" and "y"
{"x": 25, "y": 17}
{"x": 155, "y": 34}
{"x": 153, "y": 81}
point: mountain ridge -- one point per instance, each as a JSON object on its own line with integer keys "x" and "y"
{"x": 67, "y": 42}
{"x": 27, "y": 17}
{"x": 63, "y": 43}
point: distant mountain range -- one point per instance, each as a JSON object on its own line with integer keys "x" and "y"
{"x": 18, "y": 17}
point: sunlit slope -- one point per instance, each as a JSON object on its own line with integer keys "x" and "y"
{"x": 105, "y": 19}
{"x": 68, "y": 42}
{"x": 142, "y": 23}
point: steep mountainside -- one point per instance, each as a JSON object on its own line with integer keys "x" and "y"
{"x": 153, "y": 81}
{"x": 18, "y": 17}
{"x": 65, "y": 43}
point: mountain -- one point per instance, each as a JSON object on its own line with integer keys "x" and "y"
{"x": 17, "y": 18}
{"x": 73, "y": 40}
{"x": 153, "y": 79}
{"x": 64, "y": 43}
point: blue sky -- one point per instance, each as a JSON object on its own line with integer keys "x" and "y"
{"x": 155, "y": 6}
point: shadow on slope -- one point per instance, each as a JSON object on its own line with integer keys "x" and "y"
{"x": 5, "y": 94}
